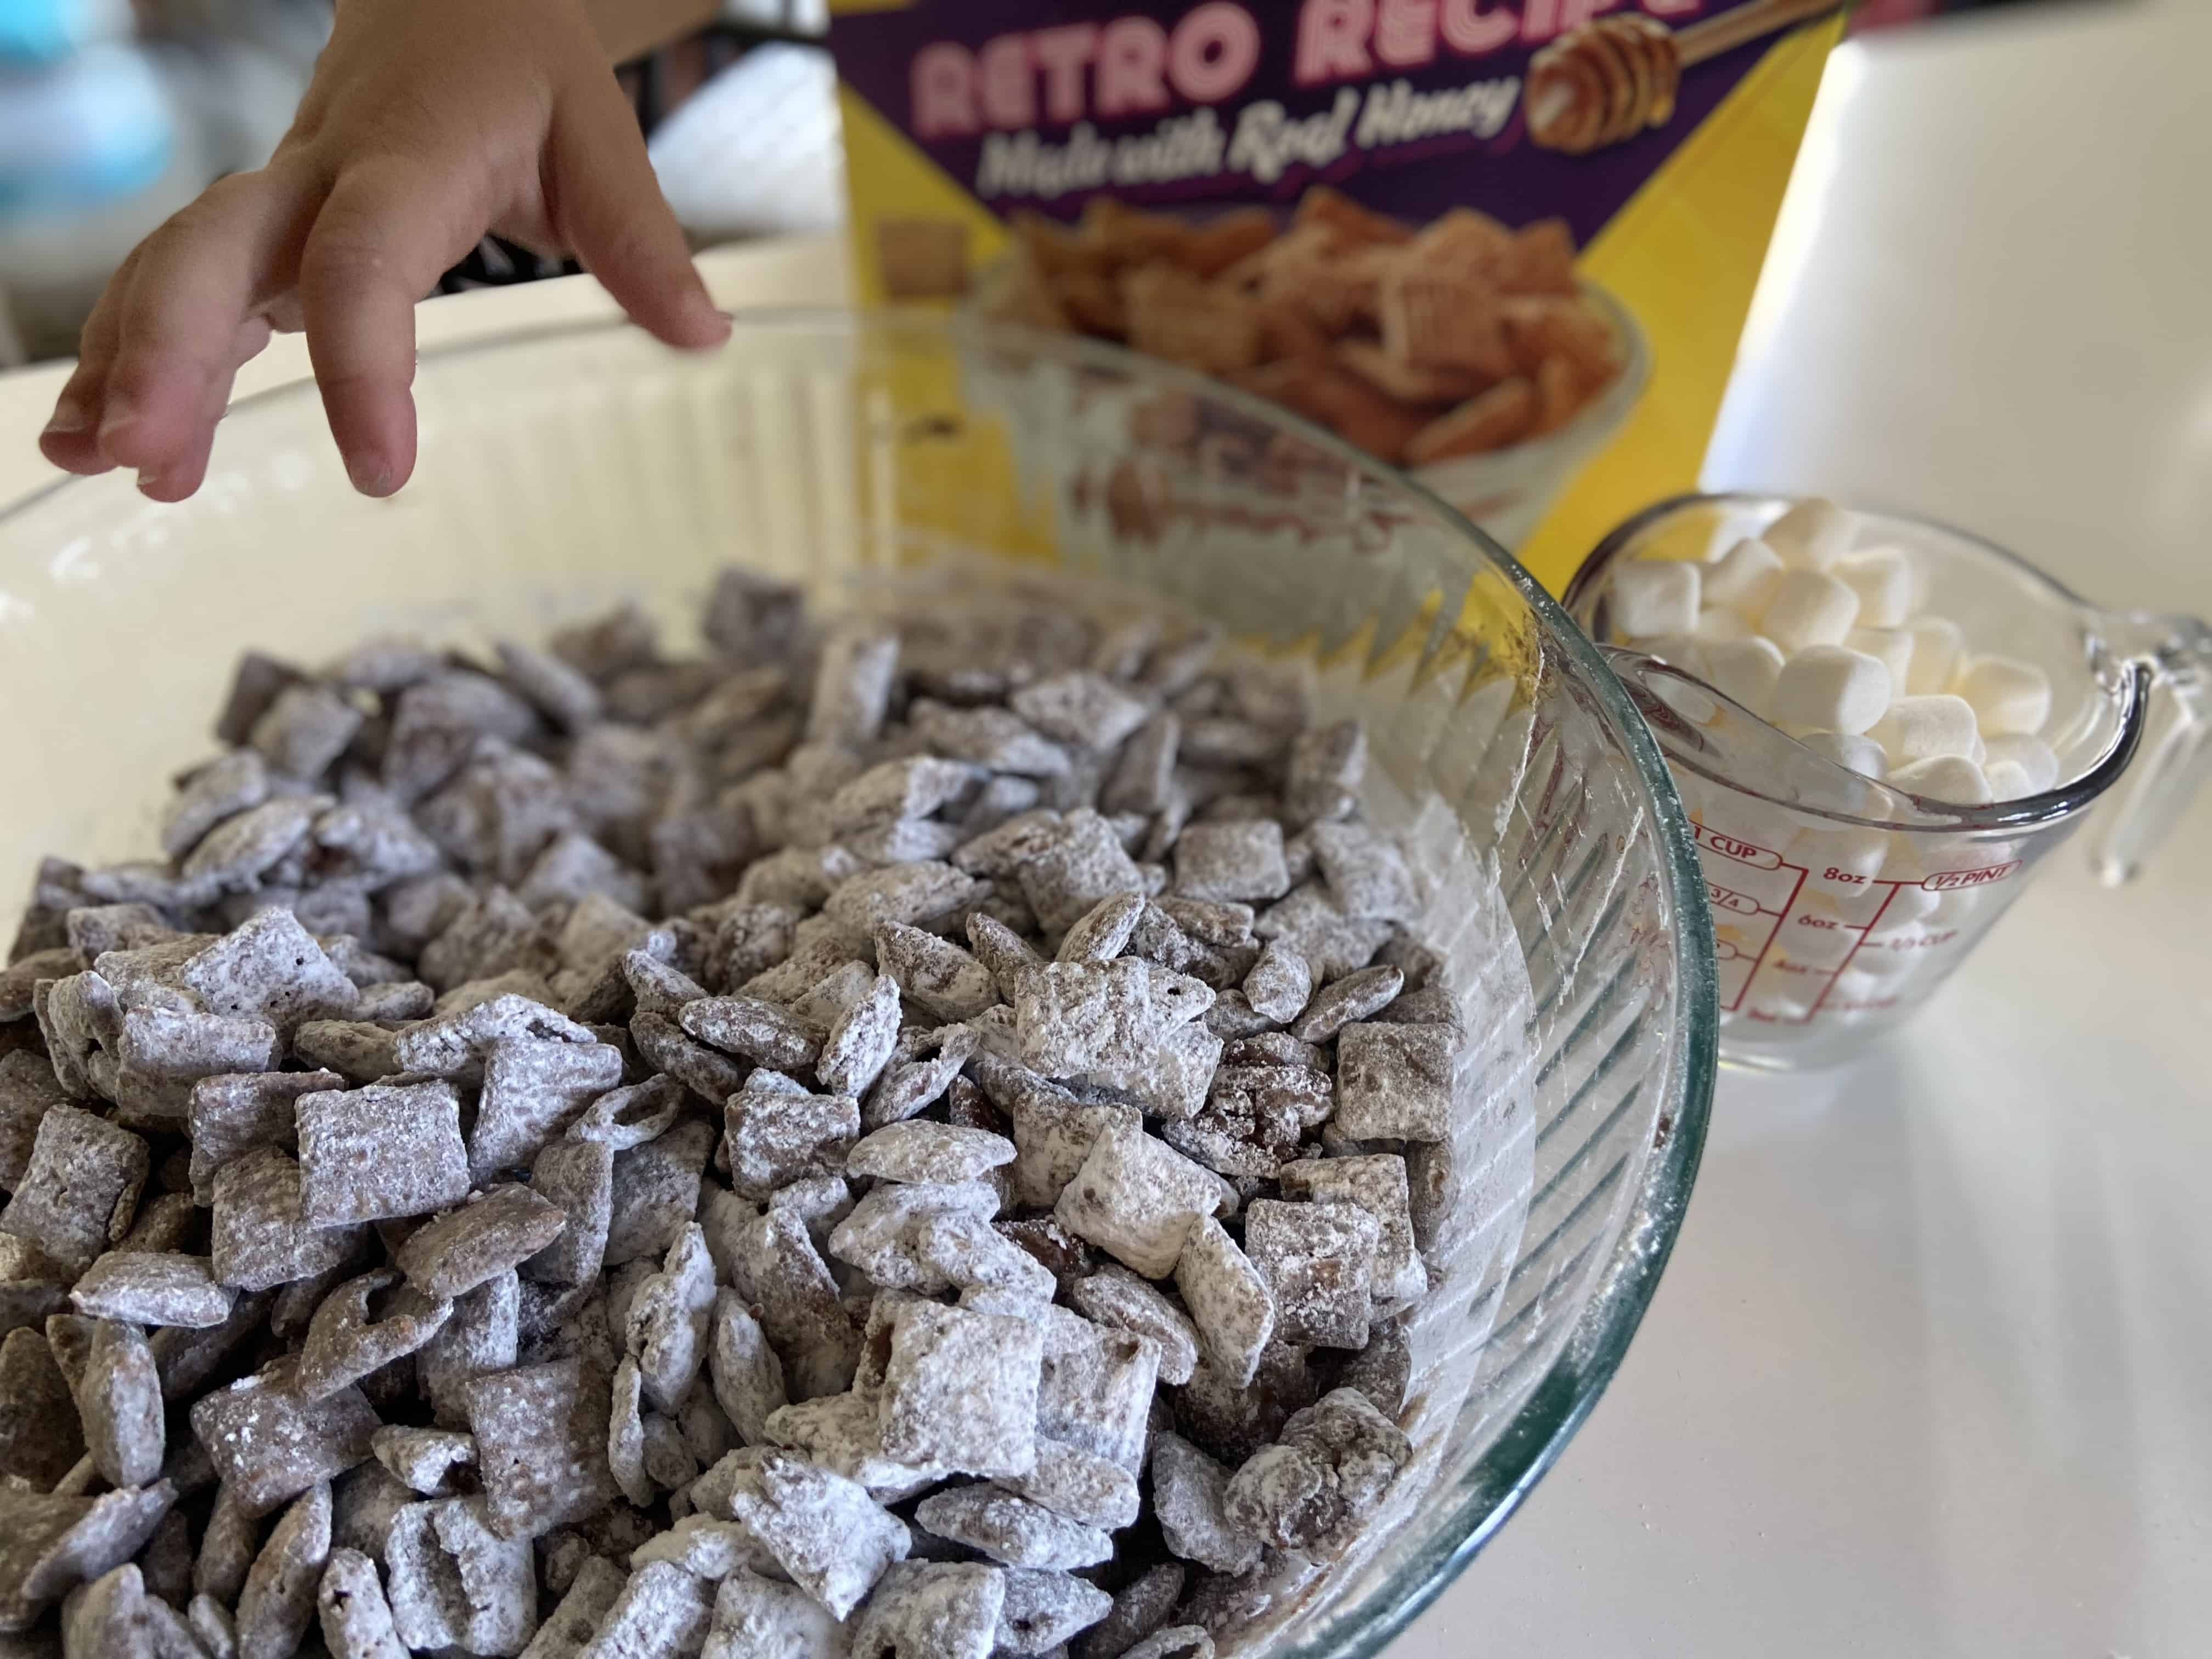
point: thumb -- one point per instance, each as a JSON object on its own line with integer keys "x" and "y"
{"x": 607, "y": 206}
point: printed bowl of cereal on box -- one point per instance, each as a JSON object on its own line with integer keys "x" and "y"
{"x": 1468, "y": 354}
{"x": 732, "y": 1016}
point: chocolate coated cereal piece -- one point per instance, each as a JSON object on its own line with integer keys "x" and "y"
{"x": 776, "y": 1135}
{"x": 861, "y": 1041}
{"x": 487, "y": 1235}
{"x": 345, "y": 1342}
{"x": 576, "y": 1176}
{"x": 1013, "y": 1530}
{"x": 534, "y": 1089}
{"x": 270, "y": 969}
{"x": 960, "y": 1390}
{"x": 39, "y": 1436}
{"x": 933, "y": 974}
{"x": 144, "y": 1288}
{"x": 881, "y": 1235}
{"x": 902, "y": 1090}
{"x": 1230, "y": 1303}
{"x": 1378, "y": 1184}
{"x": 258, "y": 1237}
{"x": 118, "y": 1403}
{"x": 1176, "y": 1642}
{"x": 758, "y": 1618}
{"x": 1079, "y": 1485}
{"x": 229, "y": 1116}
{"x": 423, "y": 1458}
{"x": 1171, "y": 1078}
{"x": 1189, "y": 1495}
{"x": 746, "y": 1374}
{"x": 1333, "y": 1465}
{"x": 1231, "y": 862}
{"x": 1366, "y": 874}
{"x": 629, "y": 1117}
{"x": 234, "y": 856}
{"x": 453, "y": 1581}
{"x": 825, "y": 1532}
{"x": 1334, "y": 942}
{"x": 585, "y": 1601}
{"x": 1279, "y": 984}
{"x": 1095, "y": 1389}
{"x": 708, "y": 1072}
{"x": 759, "y": 1031}
{"x": 666, "y": 1323}
{"x": 656, "y": 1191}
{"x": 162, "y": 1052}
{"x": 1114, "y": 1295}
{"x": 706, "y": 1548}
{"x": 356, "y": 1619}
{"x": 482, "y": 1334}
{"x": 969, "y": 1252}
{"x": 1316, "y": 1259}
{"x": 777, "y": 1269}
{"x": 1139, "y": 1608}
{"x": 270, "y": 1443}
{"x": 1084, "y": 864}
{"x": 541, "y": 1434}
{"x": 80, "y": 1189}
{"x": 925, "y": 1151}
{"x": 1354, "y": 997}
{"x": 230, "y": 784}
{"x": 278, "y": 1600}
{"x": 1394, "y": 1082}
{"x": 1103, "y": 931}
{"x": 931, "y": 1610}
{"x": 48, "y": 1544}
{"x": 361, "y": 1051}
{"x": 1137, "y": 1199}
{"x": 386, "y": 1150}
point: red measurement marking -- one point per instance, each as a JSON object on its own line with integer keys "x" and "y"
{"x": 1741, "y": 851}
{"x": 1949, "y": 881}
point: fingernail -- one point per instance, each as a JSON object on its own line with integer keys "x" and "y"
{"x": 121, "y": 414}
{"x": 69, "y": 418}
{"x": 371, "y": 478}
{"x": 150, "y": 486}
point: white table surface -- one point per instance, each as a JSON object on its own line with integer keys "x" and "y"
{"x": 1930, "y": 1372}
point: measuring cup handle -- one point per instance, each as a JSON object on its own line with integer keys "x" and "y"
{"x": 2176, "y": 754}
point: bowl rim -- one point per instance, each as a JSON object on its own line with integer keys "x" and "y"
{"x": 1559, "y": 1402}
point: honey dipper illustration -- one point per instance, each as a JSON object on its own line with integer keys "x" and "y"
{"x": 1613, "y": 77}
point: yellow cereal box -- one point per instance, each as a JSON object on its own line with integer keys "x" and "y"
{"x": 1507, "y": 244}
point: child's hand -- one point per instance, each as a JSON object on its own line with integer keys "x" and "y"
{"x": 427, "y": 124}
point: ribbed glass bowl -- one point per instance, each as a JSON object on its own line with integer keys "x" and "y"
{"x": 562, "y": 470}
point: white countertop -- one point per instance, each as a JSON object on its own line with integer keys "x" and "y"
{"x": 1931, "y": 1370}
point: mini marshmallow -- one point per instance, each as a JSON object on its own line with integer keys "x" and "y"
{"x": 1922, "y": 728}
{"x": 1811, "y": 536}
{"x": 1884, "y": 581}
{"x": 1938, "y": 646}
{"x": 1808, "y": 608}
{"x": 1892, "y": 645}
{"x": 1718, "y": 623}
{"x": 1831, "y": 688}
{"x": 2009, "y": 697}
{"x": 1745, "y": 670}
{"x": 2008, "y": 780}
{"x": 1742, "y": 578}
{"x": 1655, "y": 596}
{"x": 1951, "y": 778}
{"x": 2037, "y": 760}
{"x": 1682, "y": 651}
{"x": 1862, "y": 755}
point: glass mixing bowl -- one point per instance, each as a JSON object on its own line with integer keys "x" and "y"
{"x": 562, "y": 470}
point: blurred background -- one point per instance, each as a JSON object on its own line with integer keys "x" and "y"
{"x": 114, "y": 113}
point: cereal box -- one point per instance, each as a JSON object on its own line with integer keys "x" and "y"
{"x": 1507, "y": 244}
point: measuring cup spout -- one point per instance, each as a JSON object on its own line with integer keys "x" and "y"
{"x": 2174, "y": 756}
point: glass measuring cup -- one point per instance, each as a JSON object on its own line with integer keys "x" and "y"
{"x": 1838, "y": 902}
